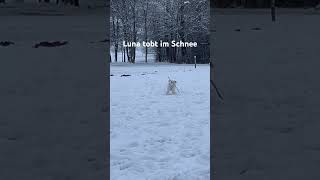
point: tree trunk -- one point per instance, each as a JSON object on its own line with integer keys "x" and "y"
{"x": 128, "y": 56}
{"x": 182, "y": 35}
{"x": 146, "y": 55}
{"x": 273, "y": 10}
{"x": 76, "y": 3}
{"x": 146, "y": 31}
{"x": 243, "y": 3}
{"x": 123, "y": 55}
{"x": 158, "y": 54}
{"x": 260, "y": 3}
{"x": 133, "y": 56}
{"x": 115, "y": 40}
{"x": 318, "y": 6}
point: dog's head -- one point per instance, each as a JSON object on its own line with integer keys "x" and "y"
{"x": 172, "y": 82}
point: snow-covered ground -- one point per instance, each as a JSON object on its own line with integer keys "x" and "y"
{"x": 51, "y": 121}
{"x": 268, "y": 125}
{"x": 156, "y": 136}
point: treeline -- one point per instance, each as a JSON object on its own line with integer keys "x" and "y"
{"x": 264, "y": 3}
{"x": 166, "y": 20}
{"x": 70, "y": 2}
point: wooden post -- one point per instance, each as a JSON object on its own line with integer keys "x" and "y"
{"x": 195, "y": 61}
{"x": 273, "y": 10}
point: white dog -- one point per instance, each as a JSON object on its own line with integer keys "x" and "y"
{"x": 172, "y": 86}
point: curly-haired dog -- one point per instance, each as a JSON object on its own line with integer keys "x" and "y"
{"x": 172, "y": 86}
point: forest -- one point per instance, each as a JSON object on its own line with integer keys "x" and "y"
{"x": 160, "y": 20}
{"x": 65, "y": 2}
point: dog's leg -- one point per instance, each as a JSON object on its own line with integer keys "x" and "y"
{"x": 174, "y": 90}
{"x": 168, "y": 90}
{"x": 169, "y": 87}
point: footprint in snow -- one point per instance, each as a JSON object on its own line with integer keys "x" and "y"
{"x": 50, "y": 44}
{"x": 6, "y": 43}
{"x": 125, "y": 166}
{"x": 188, "y": 153}
{"x": 203, "y": 159}
{"x": 133, "y": 145}
{"x": 153, "y": 102}
{"x": 125, "y": 75}
{"x": 256, "y": 28}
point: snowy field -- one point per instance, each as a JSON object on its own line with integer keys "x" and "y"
{"x": 268, "y": 126}
{"x": 156, "y": 136}
{"x": 51, "y": 121}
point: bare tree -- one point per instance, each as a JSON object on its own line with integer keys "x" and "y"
{"x": 162, "y": 20}
{"x": 273, "y": 10}
{"x": 318, "y": 5}
{"x": 145, "y": 15}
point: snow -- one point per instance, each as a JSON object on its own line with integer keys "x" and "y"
{"x": 156, "y": 136}
{"x": 51, "y": 121}
{"x": 269, "y": 79}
